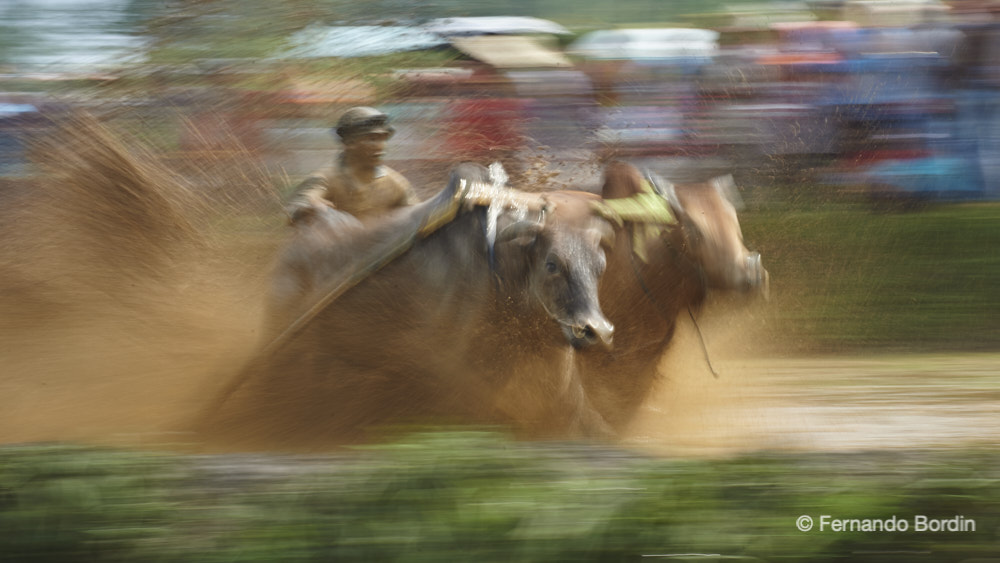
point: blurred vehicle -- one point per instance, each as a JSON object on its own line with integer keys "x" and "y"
{"x": 669, "y": 44}
{"x": 494, "y": 25}
{"x": 359, "y": 41}
{"x": 14, "y": 119}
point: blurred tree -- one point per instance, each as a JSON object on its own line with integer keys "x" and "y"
{"x": 40, "y": 32}
{"x": 12, "y": 35}
{"x": 186, "y": 30}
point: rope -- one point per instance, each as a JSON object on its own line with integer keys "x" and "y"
{"x": 661, "y": 310}
{"x": 704, "y": 348}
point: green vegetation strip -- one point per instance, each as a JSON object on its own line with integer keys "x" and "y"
{"x": 476, "y": 496}
{"x": 847, "y": 277}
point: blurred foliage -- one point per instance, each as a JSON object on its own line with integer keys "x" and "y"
{"x": 853, "y": 276}
{"x": 75, "y": 504}
{"x": 223, "y": 29}
{"x": 12, "y": 35}
{"x": 471, "y": 495}
{"x": 184, "y": 30}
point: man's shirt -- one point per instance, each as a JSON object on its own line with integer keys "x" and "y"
{"x": 335, "y": 183}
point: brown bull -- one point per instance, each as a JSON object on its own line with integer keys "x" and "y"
{"x": 645, "y": 289}
{"x": 479, "y": 320}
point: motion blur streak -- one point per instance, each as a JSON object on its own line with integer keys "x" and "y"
{"x": 119, "y": 300}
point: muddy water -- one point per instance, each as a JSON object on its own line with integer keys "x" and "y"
{"x": 819, "y": 403}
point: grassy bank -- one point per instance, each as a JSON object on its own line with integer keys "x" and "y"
{"x": 448, "y": 496}
{"x": 846, "y": 277}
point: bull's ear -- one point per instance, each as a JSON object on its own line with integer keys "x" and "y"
{"x": 603, "y": 233}
{"x": 726, "y": 187}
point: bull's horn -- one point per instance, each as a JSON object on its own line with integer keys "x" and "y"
{"x": 518, "y": 230}
{"x": 667, "y": 191}
{"x": 602, "y": 233}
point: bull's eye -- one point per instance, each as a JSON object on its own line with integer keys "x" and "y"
{"x": 551, "y": 267}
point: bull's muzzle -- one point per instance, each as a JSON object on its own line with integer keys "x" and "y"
{"x": 758, "y": 279}
{"x": 591, "y": 332}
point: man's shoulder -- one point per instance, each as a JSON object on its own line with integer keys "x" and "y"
{"x": 395, "y": 187}
{"x": 391, "y": 176}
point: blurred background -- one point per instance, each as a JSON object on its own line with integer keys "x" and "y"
{"x": 864, "y": 137}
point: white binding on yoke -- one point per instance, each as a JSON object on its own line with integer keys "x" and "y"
{"x": 498, "y": 198}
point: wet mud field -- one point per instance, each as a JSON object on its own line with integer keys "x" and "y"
{"x": 107, "y": 381}
{"x": 827, "y": 404}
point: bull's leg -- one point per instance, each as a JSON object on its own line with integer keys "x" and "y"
{"x": 546, "y": 398}
{"x": 583, "y": 419}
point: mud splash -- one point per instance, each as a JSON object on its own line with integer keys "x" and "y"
{"x": 123, "y": 299}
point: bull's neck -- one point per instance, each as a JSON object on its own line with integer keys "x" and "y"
{"x": 673, "y": 281}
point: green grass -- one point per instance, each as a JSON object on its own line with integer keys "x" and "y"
{"x": 846, "y": 277}
{"x": 442, "y": 496}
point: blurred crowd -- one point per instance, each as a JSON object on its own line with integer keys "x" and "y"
{"x": 907, "y": 108}
{"x": 893, "y": 110}
{"x": 900, "y": 101}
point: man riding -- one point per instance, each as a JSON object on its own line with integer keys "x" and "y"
{"x": 357, "y": 182}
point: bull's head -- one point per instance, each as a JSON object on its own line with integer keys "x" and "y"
{"x": 562, "y": 261}
{"x": 707, "y": 212}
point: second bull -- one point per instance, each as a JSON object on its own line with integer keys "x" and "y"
{"x": 656, "y": 275}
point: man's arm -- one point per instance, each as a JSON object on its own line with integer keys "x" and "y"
{"x": 310, "y": 198}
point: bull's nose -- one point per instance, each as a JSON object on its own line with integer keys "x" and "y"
{"x": 587, "y": 333}
{"x": 760, "y": 280}
{"x": 600, "y": 329}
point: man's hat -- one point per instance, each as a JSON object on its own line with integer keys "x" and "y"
{"x": 363, "y": 119}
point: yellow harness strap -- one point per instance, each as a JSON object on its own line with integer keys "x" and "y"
{"x": 649, "y": 212}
